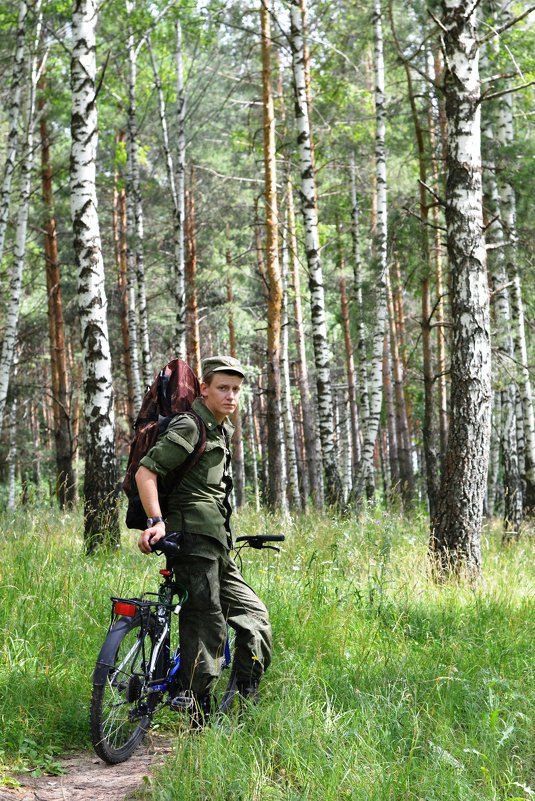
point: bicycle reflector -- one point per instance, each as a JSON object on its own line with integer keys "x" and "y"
{"x": 124, "y": 608}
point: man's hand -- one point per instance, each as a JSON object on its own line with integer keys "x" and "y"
{"x": 150, "y": 537}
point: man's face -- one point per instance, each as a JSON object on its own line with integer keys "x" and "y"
{"x": 222, "y": 394}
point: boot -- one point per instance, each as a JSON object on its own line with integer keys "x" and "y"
{"x": 249, "y": 690}
{"x": 201, "y": 710}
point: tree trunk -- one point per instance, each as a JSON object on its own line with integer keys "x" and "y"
{"x": 293, "y": 496}
{"x": 455, "y": 542}
{"x": 310, "y": 441}
{"x": 350, "y": 372}
{"x": 430, "y": 428}
{"x": 275, "y": 489}
{"x": 180, "y": 210}
{"x": 390, "y": 410}
{"x": 322, "y": 355}
{"x": 505, "y": 137}
{"x": 132, "y": 360}
{"x": 17, "y": 82}
{"x": 193, "y": 342}
{"x": 119, "y": 222}
{"x": 100, "y": 485}
{"x": 363, "y": 396}
{"x": 178, "y": 220}
{"x": 7, "y": 352}
{"x": 238, "y": 462}
{"x": 404, "y": 450}
{"x": 65, "y": 477}
{"x": 503, "y": 342}
{"x": 371, "y": 425}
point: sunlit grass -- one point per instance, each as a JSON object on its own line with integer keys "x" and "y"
{"x": 383, "y": 685}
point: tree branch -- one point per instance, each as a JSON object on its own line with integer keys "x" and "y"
{"x": 502, "y": 92}
{"x": 506, "y": 25}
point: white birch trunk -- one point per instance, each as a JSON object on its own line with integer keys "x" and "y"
{"x": 178, "y": 220}
{"x": 503, "y": 344}
{"x": 505, "y": 136}
{"x": 322, "y": 355}
{"x": 100, "y": 511}
{"x": 363, "y": 397}
{"x": 17, "y": 82}
{"x": 131, "y": 166}
{"x": 180, "y": 213}
{"x": 310, "y": 439}
{"x": 370, "y": 426}
{"x": 7, "y": 353}
{"x": 456, "y": 526}
{"x": 293, "y": 495}
{"x": 11, "y": 459}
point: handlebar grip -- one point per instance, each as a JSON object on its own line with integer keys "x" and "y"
{"x": 261, "y": 538}
{"x": 168, "y": 546}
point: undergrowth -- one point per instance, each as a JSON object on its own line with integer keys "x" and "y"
{"x": 383, "y": 685}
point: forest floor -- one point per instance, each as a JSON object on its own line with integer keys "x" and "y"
{"x": 87, "y": 778}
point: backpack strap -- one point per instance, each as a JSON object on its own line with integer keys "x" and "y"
{"x": 176, "y": 476}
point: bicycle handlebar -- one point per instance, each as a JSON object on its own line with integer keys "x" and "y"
{"x": 170, "y": 545}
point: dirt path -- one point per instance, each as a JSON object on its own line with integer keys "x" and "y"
{"x": 87, "y": 778}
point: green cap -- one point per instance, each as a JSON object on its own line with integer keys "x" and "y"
{"x": 221, "y": 364}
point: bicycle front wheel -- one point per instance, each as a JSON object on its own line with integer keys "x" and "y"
{"x": 121, "y": 705}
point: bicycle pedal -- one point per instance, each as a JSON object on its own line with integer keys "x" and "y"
{"x": 181, "y": 702}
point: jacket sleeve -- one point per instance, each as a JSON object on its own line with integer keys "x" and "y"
{"x": 173, "y": 447}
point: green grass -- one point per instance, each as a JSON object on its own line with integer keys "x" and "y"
{"x": 383, "y": 685}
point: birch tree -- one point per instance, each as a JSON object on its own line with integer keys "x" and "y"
{"x": 14, "y": 112}
{"x": 19, "y": 252}
{"x": 286, "y": 394}
{"x": 370, "y": 424}
{"x": 505, "y": 137}
{"x": 455, "y": 541}
{"x": 312, "y": 456}
{"x": 322, "y": 355}
{"x": 100, "y": 509}
{"x": 503, "y": 345}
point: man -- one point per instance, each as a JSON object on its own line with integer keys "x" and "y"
{"x": 199, "y": 508}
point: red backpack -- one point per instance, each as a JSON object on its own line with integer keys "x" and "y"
{"x": 172, "y": 392}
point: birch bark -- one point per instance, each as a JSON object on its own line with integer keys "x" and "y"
{"x": 100, "y": 508}
{"x": 363, "y": 396}
{"x": 131, "y": 165}
{"x": 19, "y": 252}
{"x": 293, "y": 495}
{"x": 310, "y": 442}
{"x": 370, "y": 425}
{"x": 455, "y": 542}
{"x": 14, "y": 112}
{"x": 505, "y": 137}
{"x": 322, "y": 355}
{"x": 503, "y": 342}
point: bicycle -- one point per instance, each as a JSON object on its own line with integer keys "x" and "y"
{"x": 136, "y": 673}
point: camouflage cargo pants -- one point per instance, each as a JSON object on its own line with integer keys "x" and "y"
{"x": 217, "y": 595}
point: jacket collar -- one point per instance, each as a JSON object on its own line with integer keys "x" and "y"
{"x": 208, "y": 418}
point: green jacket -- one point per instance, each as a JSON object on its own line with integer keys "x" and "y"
{"x": 200, "y": 504}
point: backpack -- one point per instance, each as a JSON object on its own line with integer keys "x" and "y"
{"x": 172, "y": 392}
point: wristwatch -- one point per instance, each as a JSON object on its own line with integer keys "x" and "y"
{"x": 151, "y": 521}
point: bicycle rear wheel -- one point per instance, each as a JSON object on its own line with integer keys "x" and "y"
{"x": 121, "y": 705}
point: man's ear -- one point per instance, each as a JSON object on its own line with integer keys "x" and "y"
{"x": 204, "y": 389}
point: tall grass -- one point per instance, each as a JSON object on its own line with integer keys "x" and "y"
{"x": 383, "y": 685}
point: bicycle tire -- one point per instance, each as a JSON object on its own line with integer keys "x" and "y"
{"x": 121, "y": 710}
